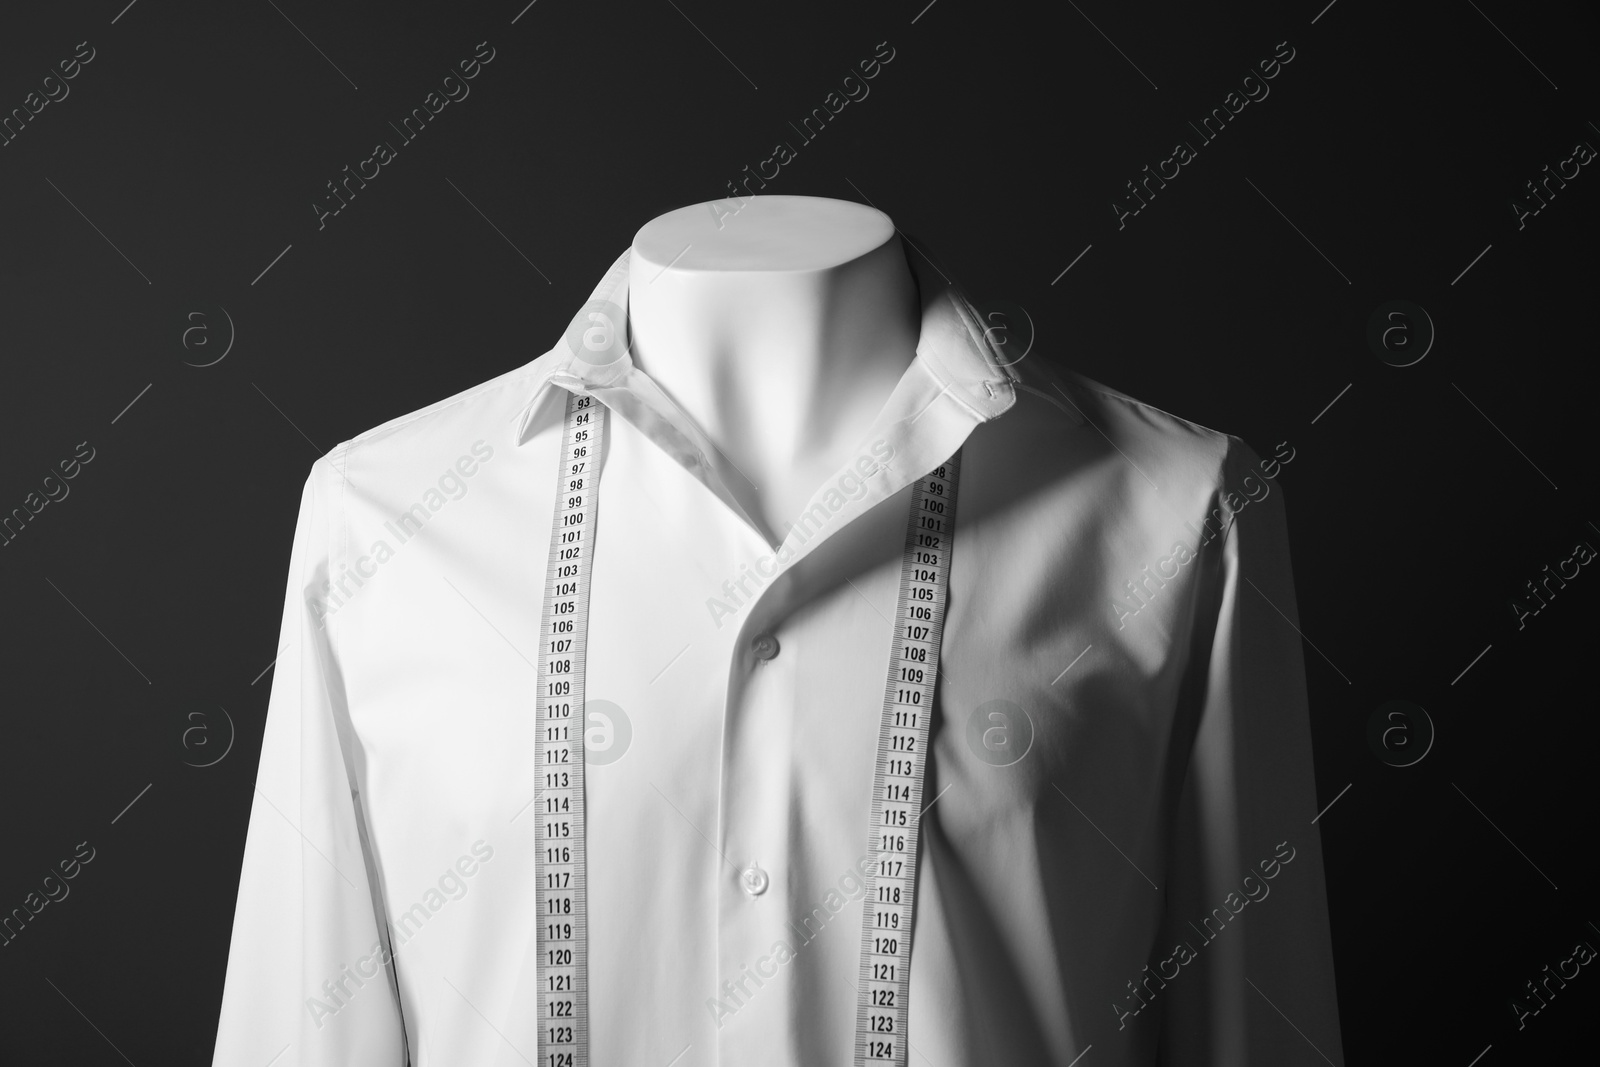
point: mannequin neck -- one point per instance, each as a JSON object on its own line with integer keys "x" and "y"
{"x": 781, "y": 335}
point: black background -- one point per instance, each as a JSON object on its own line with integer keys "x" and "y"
{"x": 190, "y": 150}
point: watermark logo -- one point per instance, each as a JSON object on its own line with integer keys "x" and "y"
{"x": 452, "y": 88}
{"x": 1541, "y": 590}
{"x": 852, "y": 89}
{"x": 1400, "y": 333}
{"x": 607, "y": 732}
{"x": 338, "y": 991}
{"x": 52, "y": 89}
{"x": 851, "y": 485}
{"x": 737, "y": 992}
{"x": 208, "y": 735}
{"x": 1550, "y": 982}
{"x": 1541, "y": 190}
{"x": 53, "y": 889}
{"x": 53, "y": 489}
{"x": 1400, "y": 733}
{"x": 452, "y": 484}
{"x": 1140, "y": 590}
{"x": 598, "y": 334}
{"x": 1251, "y": 88}
{"x": 1009, "y": 329}
{"x": 999, "y": 733}
{"x": 203, "y": 349}
{"x": 1253, "y": 889}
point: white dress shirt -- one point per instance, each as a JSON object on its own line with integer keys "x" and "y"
{"x": 1119, "y": 848}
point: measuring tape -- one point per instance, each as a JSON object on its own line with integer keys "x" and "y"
{"x": 897, "y": 807}
{"x": 563, "y": 939}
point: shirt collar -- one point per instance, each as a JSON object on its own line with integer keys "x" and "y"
{"x": 957, "y": 381}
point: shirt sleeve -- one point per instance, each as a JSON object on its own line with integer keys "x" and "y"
{"x": 1245, "y": 952}
{"x": 310, "y": 976}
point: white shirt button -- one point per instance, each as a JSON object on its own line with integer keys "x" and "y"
{"x": 765, "y": 646}
{"x": 754, "y": 880}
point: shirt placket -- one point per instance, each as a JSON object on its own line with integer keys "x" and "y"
{"x": 753, "y": 892}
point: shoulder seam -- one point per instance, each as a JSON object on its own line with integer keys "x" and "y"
{"x": 438, "y": 406}
{"x": 1112, "y": 394}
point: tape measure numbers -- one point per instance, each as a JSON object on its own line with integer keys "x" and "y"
{"x": 563, "y": 941}
{"x": 897, "y": 804}
{"x": 897, "y": 785}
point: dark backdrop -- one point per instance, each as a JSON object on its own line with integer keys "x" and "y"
{"x": 163, "y": 208}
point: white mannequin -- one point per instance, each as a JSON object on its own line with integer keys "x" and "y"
{"x": 780, "y": 333}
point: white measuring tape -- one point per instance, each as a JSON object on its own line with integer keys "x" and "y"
{"x": 897, "y": 805}
{"x": 563, "y": 940}
{"x": 897, "y": 781}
